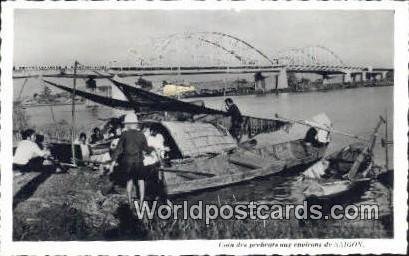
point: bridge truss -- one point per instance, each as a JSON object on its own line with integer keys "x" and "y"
{"x": 203, "y": 49}
{"x": 207, "y": 49}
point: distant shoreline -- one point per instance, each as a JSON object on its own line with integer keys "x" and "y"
{"x": 290, "y": 90}
{"x": 50, "y": 104}
{"x": 218, "y": 93}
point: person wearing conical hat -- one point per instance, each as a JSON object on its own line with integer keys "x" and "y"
{"x": 131, "y": 146}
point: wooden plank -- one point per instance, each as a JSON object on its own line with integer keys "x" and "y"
{"x": 249, "y": 159}
{"x": 184, "y": 172}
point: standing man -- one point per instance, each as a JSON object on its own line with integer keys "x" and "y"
{"x": 236, "y": 119}
{"x": 131, "y": 146}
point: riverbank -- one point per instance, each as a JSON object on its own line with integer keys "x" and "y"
{"x": 299, "y": 87}
{"x": 78, "y": 205}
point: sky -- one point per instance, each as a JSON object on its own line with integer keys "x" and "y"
{"x": 361, "y": 38}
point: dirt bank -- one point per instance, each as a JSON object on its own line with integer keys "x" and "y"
{"x": 70, "y": 206}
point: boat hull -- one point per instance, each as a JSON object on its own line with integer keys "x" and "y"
{"x": 339, "y": 191}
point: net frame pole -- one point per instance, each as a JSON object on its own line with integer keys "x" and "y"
{"x": 73, "y": 114}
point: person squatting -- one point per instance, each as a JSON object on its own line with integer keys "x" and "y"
{"x": 32, "y": 155}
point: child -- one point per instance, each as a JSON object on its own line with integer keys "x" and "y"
{"x": 85, "y": 150}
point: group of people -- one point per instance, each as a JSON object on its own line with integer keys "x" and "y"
{"x": 109, "y": 134}
{"x": 136, "y": 150}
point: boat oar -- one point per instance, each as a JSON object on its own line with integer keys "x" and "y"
{"x": 331, "y": 130}
{"x": 166, "y": 169}
{"x": 366, "y": 152}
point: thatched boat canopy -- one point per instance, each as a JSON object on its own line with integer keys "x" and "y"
{"x": 195, "y": 139}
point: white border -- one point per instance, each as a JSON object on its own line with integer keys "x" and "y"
{"x": 376, "y": 246}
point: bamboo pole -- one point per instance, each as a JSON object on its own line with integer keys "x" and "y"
{"x": 22, "y": 89}
{"x": 368, "y": 151}
{"x": 386, "y": 141}
{"x": 52, "y": 113}
{"x": 73, "y": 114}
{"x": 225, "y": 84}
{"x": 306, "y": 123}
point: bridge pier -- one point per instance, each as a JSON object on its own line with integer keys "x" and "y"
{"x": 260, "y": 85}
{"x": 376, "y": 76}
{"x": 383, "y": 74}
{"x": 282, "y": 78}
{"x": 363, "y": 76}
{"x": 357, "y": 77}
{"x": 325, "y": 79}
{"x": 347, "y": 78}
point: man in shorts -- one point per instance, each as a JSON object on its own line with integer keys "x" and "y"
{"x": 131, "y": 146}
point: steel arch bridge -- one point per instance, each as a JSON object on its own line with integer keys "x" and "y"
{"x": 314, "y": 57}
{"x": 215, "y": 49}
{"x": 317, "y": 55}
{"x": 203, "y": 49}
{"x": 218, "y": 52}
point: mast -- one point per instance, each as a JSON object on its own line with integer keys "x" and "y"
{"x": 367, "y": 151}
{"x": 21, "y": 90}
{"x": 73, "y": 114}
{"x": 386, "y": 140}
{"x": 225, "y": 83}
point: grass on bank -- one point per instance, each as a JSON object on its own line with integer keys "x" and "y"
{"x": 66, "y": 224}
{"x": 77, "y": 206}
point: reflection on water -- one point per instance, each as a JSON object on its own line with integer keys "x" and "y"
{"x": 355, "y": 111}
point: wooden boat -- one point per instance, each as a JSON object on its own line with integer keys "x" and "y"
{"x": 336, "y": 190}
{"x": 331, "y": 185}
{"x": 342, "y": 175}
{"x": 206, "y": 157}
{"x": 62, "y": 151}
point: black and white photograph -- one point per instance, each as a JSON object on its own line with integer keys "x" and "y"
{"x": 205, "y": 124}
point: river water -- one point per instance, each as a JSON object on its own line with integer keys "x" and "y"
{"x": 355, "y": 111}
